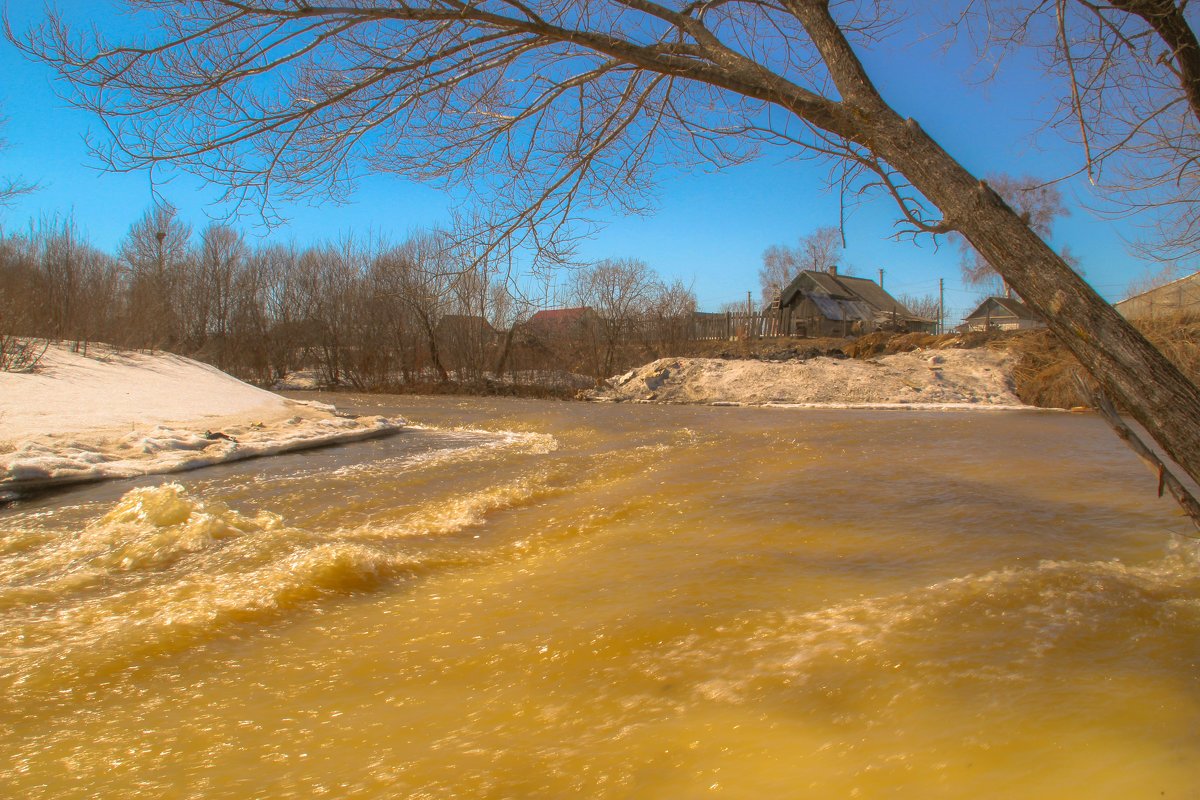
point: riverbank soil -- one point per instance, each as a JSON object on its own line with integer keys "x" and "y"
{"x": 1044, "y": 373}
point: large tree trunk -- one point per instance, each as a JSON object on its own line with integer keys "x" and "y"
{"x": 502, "y": 361}
{"x": 434, "y": 354}
{"x": 1122, "y": 361}
{"x": 1125, "y": 364}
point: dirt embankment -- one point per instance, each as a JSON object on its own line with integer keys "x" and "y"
{"x": 1030, "y": 367}
{"x": 940, "y": 379}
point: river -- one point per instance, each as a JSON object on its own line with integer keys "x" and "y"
{"x": 545, "y": 599}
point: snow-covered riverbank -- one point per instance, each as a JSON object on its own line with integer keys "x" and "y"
{"x": 115, "y": 414}
{"x": 942, "y": 379}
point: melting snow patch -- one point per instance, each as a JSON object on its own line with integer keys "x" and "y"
{"x": 111, "y": 414}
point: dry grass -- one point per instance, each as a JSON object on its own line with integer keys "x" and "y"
{"x": 1045, "y": 373}
{"x": 1045, "y": 370}
{"x": 1178, "y": 337}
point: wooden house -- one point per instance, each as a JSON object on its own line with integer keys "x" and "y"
{"x": 464, "y": 331}
{"x": 551, "y": 323}
{"x": 1002, "y": 313}
{"x": 824, "y": 303}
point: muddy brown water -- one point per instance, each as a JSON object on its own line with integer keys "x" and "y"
{"x": 545, "y": 599}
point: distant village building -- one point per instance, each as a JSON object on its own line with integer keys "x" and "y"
{"x": 552, "y": 322}
{"x": 820, "y": 303}
{"x": 457, "y": 328}
{"x": 1002, "y": 313}
{"x": 1177, "y": 297}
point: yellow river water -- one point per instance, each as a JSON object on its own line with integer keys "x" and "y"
{"x": 540, "y": 599}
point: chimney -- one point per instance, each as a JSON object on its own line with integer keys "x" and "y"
{"x": 833, "y": 269}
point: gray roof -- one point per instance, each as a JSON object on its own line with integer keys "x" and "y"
{"x": 866, "y": 299}
{"x": 1182, "y": 294}
{"x": 828, "y": 283}
{"x": 1006, "y": 306}
{"x": 839, "y": 310}
{"x": 874, "y": 294}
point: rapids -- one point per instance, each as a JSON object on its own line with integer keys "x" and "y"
{"x": 541, "y": 599}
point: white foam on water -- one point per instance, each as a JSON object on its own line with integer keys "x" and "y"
{"x": 163, "y": 570}
{"x": 458, "y": 444}
{"x": 992, "y": 628}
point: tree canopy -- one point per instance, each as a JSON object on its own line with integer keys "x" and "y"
{"x": 782, "y": 263}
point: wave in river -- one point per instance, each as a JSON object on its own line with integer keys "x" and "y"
{"x": 978, "y": 630}
{"x": 163, "y": 570}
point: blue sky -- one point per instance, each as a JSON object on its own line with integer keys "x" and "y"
{"x": 710, "y": 229}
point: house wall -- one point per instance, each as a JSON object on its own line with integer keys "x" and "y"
{"x": 806, "y": 320}
{"x": 1003, "y": 323}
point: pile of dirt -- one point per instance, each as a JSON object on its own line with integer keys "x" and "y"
{"x": 1043, "y": 372}
{"x": 939, "y": 379}
{"x": 779, "y": 348}
{"x": 883, "y": 343}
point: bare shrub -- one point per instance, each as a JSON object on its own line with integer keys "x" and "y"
{"x": 21, "y": 355}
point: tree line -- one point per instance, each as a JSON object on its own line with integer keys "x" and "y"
{"x": 367, "y": 314}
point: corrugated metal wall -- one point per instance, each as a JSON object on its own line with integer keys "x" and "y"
{"x": 1172, "y": 298}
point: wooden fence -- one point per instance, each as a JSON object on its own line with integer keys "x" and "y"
{"x": 735, "y": 325}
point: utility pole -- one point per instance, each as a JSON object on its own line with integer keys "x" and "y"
{"x": 941, "y": 305}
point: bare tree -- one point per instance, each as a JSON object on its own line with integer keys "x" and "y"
{"x": 671, "y": 314}
{"x": 477, "y": 302}
{"x": 335, "y": 271}
{"x": 511, "y": 311}
{"x": 400, "y": 332}
{"x": 76, "y": 285}
{"x": 55, "y": 284}
{"x": 12, "y": 187}
{"x": 155, "y": 254}
{"x": 421, "y": 272}
{"x": 554, "y": 106}
{"x": 286, "y": 338}
{"x": 21, "y": 313}
{"x": 1039, "y": 203}
{"x": 927, "y": 306}
{"x": 1130, "y": 72}
{"x": 818, "y": 250}
{"x": 209, "y": 292}
{"x": 621, "y": 292}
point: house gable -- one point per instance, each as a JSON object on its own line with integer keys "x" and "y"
{"x": 851, "y": 304}
{"x": 1003, "y": 312}
{"x": 1003, "y": 307}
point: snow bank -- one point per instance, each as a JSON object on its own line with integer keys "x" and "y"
{"x": 917, "y": 380}
{"x": 114, "y": 414}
